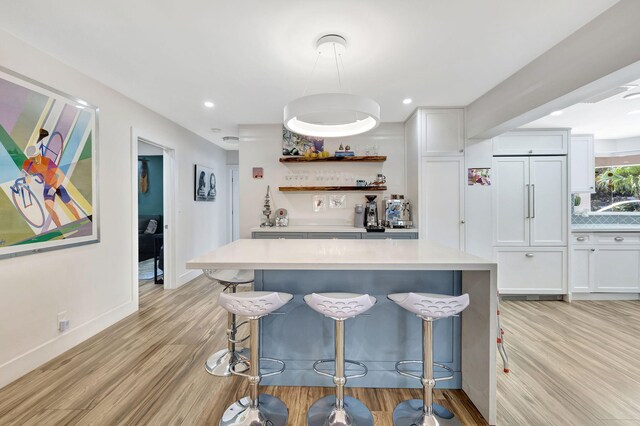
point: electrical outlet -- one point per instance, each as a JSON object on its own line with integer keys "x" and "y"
{"x": 63, "y": 322}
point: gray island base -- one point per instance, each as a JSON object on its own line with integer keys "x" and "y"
{"x": 386, "y": 333}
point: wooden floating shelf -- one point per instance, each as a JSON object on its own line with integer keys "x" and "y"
{"x": 331, "y": 188}
{"x": 369, "y": 158}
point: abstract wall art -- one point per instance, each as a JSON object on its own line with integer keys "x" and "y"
{"x": 48, "y": 187}
{"x": 205, "y": 184}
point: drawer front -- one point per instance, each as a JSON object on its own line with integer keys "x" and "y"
{"x": 582, "y": 239}
{"x": 334, "y": 236}
{"x": 389, "y": 236}
{"x": 620, "y": 238}
{"x": 279, "y": 235}
{"x": 532, "y": 271}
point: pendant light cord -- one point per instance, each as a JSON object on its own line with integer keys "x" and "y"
{"x": 335, "y": 55}
{"x": 315, "y": 64}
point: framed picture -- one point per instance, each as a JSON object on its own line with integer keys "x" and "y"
{"x": 297, "y": 145}
{"x": 205, "y": 184}
{"x": 481, "y": 177}
{"x": 48, "y": 168}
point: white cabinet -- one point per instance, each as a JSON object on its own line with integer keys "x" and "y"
{"x": 532, "y": 142}
{"x": 443, "y": 201}
{"x": 443, "y": 131}
{"x": 605, "y": 263}
{"x": 530, "y": 201}
{"x": 532, "y": 271}
{"x": 581, "y": 269}
{"x": 617, "y": 269}
{"x": 582, "y": 164}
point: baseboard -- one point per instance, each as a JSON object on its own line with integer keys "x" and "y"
{"x": 47, "y": 351}
{"x": 188, "y": 276}
{"x": 605, "y": 296}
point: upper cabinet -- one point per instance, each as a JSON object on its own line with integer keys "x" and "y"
{"x": 582, "y": 164}
{"x": 442, "y": 131}
{"x": 534, "y": 142}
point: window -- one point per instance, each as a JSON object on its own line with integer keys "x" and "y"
{"x": 617, "y": 185}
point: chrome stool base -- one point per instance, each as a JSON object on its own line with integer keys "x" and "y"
{"x": 410, "y": 413}
{"x": 323, "y": 412}
{"x": 219, "y": 364}
{"x": 270, "y": 412}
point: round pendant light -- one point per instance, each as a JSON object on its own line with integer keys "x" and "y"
{"x": 331, "y": 114}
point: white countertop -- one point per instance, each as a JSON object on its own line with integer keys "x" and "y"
{"x": 338, "y": 254}
{"x": 324, "y": 228}
{"x": 611, "y": 227}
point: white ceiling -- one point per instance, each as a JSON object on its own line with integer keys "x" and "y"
{"x": 251, "y": 57}
{"x": 607, "y": 119}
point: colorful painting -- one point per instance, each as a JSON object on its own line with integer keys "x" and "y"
{"x": 205, "y": 184}
{"x": 480, "y": 177}
{"x": 295, "y": 144}
{"x": 48, "y": 188}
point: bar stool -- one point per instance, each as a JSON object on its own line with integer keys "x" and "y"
{"x": 219, "y": 364}
{"x": 339, "y": 410}
{"x": 257, "y": 409}
{"x": 428, "y": 307}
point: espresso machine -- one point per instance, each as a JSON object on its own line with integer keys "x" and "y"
{"x": 397, "y": 212}
{"x": 371, "y": 212}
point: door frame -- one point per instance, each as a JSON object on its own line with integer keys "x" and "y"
{"x": 168, "y": 206}
{"x": 230, "y": 169}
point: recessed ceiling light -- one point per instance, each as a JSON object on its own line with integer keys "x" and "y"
{"x": 407, "y": 101}
{"x": 81, "y": 102}
{"x": 208, "y": 104}
{"x": 216, "y": 130}
{"x": 633, "y": 95}
{"x": 231, "y": 139}
{"x": 634, "y": 112}
{"x": 556, "y": 113}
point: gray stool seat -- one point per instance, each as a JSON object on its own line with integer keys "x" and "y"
{"x": 339, "y": 410}
{"x": 256, "y": 409}
{"x": 221, "y": 362}
{"x": 428, "y": 307}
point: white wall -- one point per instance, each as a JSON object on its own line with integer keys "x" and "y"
{"x": 94, "y": 283}
{"x": 261, "y": 146}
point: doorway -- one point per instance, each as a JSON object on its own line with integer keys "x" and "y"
{"x": 150, "y": 214}
{"x": 153, "y": 202}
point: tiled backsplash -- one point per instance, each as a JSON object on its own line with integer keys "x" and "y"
{"x": 606, "y": 219}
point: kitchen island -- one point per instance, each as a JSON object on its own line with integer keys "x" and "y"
{"x": 299, "y": 336}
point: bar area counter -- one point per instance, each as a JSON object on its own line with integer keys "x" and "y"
{"x": 387, "y": 333}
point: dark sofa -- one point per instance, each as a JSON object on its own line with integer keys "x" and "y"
{"x": 145, "y": 241}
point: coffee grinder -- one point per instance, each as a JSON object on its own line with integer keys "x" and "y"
{"x": 371, "y": 212}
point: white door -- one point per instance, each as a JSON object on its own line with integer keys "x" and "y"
{"x": 511, "y": 201}
{"x": 581, "y": 269}
{"x": 582, "y": 164}
{"x": 442, "y": 220}
{"x": 548, "y": 201}
{"x": 617, "y": 270}
{"x": 444, "y": 132}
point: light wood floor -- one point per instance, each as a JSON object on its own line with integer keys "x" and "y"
{"x": 573, "y": 364}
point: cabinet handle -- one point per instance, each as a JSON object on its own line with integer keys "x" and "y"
{"x": 529, "y": 254}
{"x": 528, "y": 216}
{"x": 581, "y": 238}
{"x": 533, "y": 202}
{"x": 462, "y": 222}
{"x": 619, "y": 238}
{"x": 462, "y": 150}
{"x": 593, "y": 249}
{"x": 530, "y": 151}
